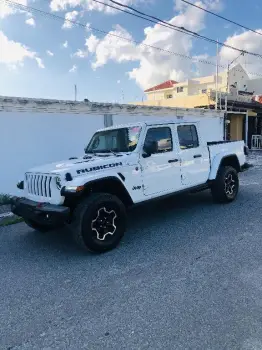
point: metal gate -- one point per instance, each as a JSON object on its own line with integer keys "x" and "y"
{"x": 256, "y": 142}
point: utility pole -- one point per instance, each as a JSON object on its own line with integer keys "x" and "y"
{"x": 227, "y": 89}
{"x": 75, "y": 92}
{"x": 217, "y": 77}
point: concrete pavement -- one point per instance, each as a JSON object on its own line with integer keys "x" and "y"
{"x": 188, "y": 275}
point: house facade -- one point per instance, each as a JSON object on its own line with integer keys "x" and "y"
{"x": 235, "y": 77}
{"x": 231, "y": 90}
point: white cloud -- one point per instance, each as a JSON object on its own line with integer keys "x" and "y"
{"x": 65, "y": 44}
{"x": 13, "y": 53}
{"x": 73, "y": 69}
{"x": 246, "y": 41}
{"x": 69, "y": 16}
{"x": 49, "y": 53}
{"x": 30, "y": 22}
{"x": 90, "y": 5}
{"x": 7, "y": 10}
{"x": 112, "y": 48}
{"x": 39, "y": 62}
{"x": 88, "y": 27}
{"x": 91, "y": 43}
{"x": 80, "y": 54}
{"x": 153, "y": 66}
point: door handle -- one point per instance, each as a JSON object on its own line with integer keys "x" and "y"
{"x": 173, "y": 161}
{"x": 197, "y": 155}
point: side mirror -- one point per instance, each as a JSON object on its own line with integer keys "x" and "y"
{"x": 149, "y": 148}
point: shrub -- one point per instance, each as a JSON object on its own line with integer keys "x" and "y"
{"x": 5, "y": 199}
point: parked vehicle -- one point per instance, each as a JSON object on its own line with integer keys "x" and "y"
{"x": 124, "y": 166}
{"x": 49, "y": 130}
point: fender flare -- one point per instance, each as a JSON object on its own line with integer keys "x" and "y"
{"x": 118, "y": 179}
{"x": 217, "y": 161}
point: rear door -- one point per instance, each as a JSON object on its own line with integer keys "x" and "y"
{"x": 194, "y": 156}
{"x": 161, "y": 171}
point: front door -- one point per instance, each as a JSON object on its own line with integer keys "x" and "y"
{"x": 161, "y": 171}
{"x": 194, "y": 155}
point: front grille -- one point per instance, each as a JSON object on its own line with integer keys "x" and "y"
{"x": 39, "y": 185}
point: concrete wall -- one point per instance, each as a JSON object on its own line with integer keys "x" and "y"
{"x": 212, "y": 129}
{"x": 31, "y": 139}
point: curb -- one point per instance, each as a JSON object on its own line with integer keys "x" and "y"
{"x": 6, "y": 215}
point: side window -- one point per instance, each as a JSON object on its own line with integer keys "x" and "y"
{"x": 187, "y": 135}
{"x": 162, "y": 138}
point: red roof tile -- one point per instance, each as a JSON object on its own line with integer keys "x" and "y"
{"x": 166, "y": 85}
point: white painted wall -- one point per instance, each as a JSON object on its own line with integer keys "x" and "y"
{"x": 212, "y": 128}
{"x": 238, "y": 74}
{"x": 31, "y": 139}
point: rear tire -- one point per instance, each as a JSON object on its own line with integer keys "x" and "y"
{"x": 225, "y": 187}
{"x": 99, "y": 222}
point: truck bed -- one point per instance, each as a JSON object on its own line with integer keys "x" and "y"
{"x": 236, "y": 148}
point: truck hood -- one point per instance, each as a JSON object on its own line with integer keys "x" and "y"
{"x": 82, "y": 165}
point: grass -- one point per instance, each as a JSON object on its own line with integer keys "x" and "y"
{"x": 10, "y": 221}
{"x": 5, "y": 199}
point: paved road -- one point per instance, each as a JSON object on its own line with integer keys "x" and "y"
{"x": 188, "y": 275}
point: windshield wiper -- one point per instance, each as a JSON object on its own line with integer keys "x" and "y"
{"x": 89, "y": 154}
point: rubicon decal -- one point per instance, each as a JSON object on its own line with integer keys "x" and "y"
{"x": 100, "y": 167}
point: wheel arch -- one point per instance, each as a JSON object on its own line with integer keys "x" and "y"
{"x": 226, "y": 160}
{"x": 110, "y": 184}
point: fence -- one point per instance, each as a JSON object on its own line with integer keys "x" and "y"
{"x": 256, "y": 142}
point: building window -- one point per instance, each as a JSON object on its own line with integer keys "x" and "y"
{"x": 187, "y": 135}
{"x": 179, "y": 89}
{"x": 162, "y": 138}
{"x": 169, "y": 96}
{"x": 204, "y": 91}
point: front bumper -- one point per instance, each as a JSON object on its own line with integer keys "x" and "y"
{"x": 41, "y": 213}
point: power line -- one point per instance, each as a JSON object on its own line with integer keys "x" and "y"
{"x": 160, "y": 22}
{"x": 185, "y": 31}
{"x": 81, "y": 25}
{"x": 224, "y": 18}
{"x": 133, "y": 14}
{"x": 56, "y": 17}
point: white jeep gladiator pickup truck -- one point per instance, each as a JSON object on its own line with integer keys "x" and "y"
{"x": 123, "y": 166}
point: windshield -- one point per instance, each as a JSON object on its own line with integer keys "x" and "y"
{"x": 114, "y": 140}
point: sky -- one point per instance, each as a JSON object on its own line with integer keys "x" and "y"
{"x": 44, "y": 56}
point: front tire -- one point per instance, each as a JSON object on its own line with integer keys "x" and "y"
{"x": 99, "y": 222}
{"x": 225, "y": 187}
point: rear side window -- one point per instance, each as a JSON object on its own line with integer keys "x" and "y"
{"x": 163, "y": 138}
{"x": 187, "y": 135}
